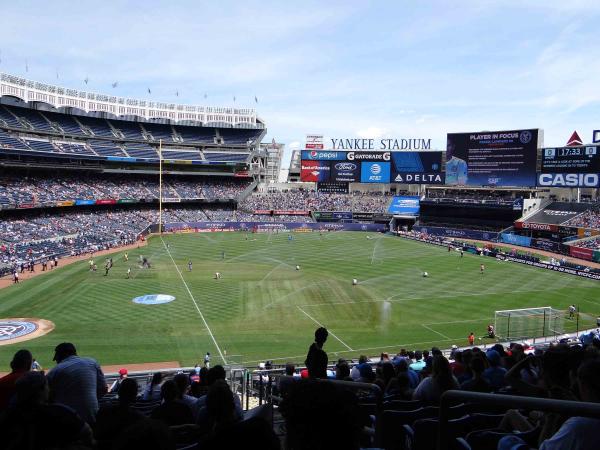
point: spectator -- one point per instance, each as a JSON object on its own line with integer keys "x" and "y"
{"x": 111, "y": 420}
{"x": 319, "y": 416}
{"x": 477, "y": 383}
{"x": 20, "y": 365}
{"x": 152, "y": 390}
{"x": 431, "y": 388}
{"x": 76, "y": 382}
{"x": 122, "y": 376}
{"x": 316, "y": 359}
{"x": 32, "y": 423}
{"x": 172, "y": 411}
{"x": 419, "y": 363}
{"x": 494, "y": 374}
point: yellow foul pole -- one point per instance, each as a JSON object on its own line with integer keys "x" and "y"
{"x": 160, "y": 227}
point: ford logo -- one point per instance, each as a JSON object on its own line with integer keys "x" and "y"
{"x": 345, "y": 166}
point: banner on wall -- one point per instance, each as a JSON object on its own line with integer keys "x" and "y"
{"x": 457, "y": 233}
{"x": 408, "y": 205}
{"x": 515, "y": 239}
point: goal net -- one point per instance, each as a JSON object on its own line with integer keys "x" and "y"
{"x": 529, "y": 323}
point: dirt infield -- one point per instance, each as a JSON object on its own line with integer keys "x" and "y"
{"x": 42, "y": 327}
{"x": 143, "y": 367}
{"x": 7, "y": 279}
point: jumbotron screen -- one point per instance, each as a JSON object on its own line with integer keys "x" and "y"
{"x": 492, "y": 158}
{"x": 406, "y": 167}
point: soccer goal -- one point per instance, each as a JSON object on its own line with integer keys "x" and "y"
{"x": 529, "y": 323}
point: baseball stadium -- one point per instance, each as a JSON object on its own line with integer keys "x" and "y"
{"x": 173, "y": 276}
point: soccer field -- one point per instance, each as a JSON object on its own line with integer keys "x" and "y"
{"x": 263, "y": 308}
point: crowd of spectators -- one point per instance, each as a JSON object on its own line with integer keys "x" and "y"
{"x": 587, "y": 219}
{"x": 49, "y": 189}
{"x": 468, "y": 196}
{"x": 594, "y": 243}
{"x": 73, "y": 405}
{"x": 307, "y": 200}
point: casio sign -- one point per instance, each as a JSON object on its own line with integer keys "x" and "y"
{"x": 569, "y": 179}
{"x": 345, "y": 166}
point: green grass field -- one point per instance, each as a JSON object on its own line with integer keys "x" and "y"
{"x": 263, "y": 308}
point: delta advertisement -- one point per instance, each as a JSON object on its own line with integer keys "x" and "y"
{"x": 405, "y": 205}
{"x": 455, "y": 233}
{"x": 371, "y": 167}
{"x": 570, "y": 167}
{"x": 497, "y": 158}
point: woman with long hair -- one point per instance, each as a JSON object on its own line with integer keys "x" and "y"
{"x": 430, "y": 389}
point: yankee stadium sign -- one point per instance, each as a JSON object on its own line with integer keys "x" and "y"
{"x": 380, "y": 144}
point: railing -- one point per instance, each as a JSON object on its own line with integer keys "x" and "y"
{"x": 564, "y": 407}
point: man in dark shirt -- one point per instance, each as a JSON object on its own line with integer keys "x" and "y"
{"x": 32, "y": 423}
{"x": 113, "y": 419}
{"x": 172, "y": 411}
{"x": 20, "y": 365}
{"x": 316, "y": 359}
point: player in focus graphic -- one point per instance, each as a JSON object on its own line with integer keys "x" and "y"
{"x": 456, "y": 168}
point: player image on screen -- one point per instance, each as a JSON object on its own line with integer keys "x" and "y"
{"x": 456, "y": 168}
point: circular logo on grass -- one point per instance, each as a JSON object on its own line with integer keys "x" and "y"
{"x": 153, "y": 299}
{"x": 12, "y": 329}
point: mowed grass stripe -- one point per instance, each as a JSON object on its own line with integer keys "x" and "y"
{"x": 256, "y": 316}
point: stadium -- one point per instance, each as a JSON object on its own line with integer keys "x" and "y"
{"x": 154, "y": 250}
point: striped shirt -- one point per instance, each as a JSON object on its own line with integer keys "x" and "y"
{"x": 78, "y": 382}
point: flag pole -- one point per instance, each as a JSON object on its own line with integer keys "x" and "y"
{"x": 160, "y": 227}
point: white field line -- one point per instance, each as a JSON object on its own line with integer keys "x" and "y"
{"x": 330, "y": 332}
{"x": 436, "y": 332}
{"x": 270, "y": 272}
{"x": 195, "y": 304}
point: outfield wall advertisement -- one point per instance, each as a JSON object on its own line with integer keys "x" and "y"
{"x": 266, "y": 226}
{"x": 580, "y": 273}
{"x": 570, "y": 167}
{"x": 409, "y": 167}
{"x": 456, "y": 233}
{"x": 497, "y": 158}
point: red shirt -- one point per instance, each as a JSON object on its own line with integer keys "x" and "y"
{"x": 7, "y": 387}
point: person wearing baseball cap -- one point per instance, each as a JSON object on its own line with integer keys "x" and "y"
{"x": 76, "y": 381}
{"x": 117, "y": 384}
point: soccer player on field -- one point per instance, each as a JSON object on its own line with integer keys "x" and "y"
{"x": 128, "y": 272}
{"x": 481, "y": 269}
{"x": 471, "y": 338}
{"x": 572, "y": 310}
{"x": 126, "y": 257}
{"x": 190, "y": 265}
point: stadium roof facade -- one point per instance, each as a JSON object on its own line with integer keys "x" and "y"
{"x": 65, "y": 99}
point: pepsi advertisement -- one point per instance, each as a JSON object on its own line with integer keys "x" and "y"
{"x": 492, "y": 158}
{"x": 417, "y": 167}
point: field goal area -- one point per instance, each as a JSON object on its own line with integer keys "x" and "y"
{"x": 513, "y": 324}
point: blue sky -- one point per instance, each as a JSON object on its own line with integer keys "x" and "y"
{"x": 343, "y": 69}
